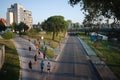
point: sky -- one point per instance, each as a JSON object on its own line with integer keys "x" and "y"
{"x": 42, "y": 9}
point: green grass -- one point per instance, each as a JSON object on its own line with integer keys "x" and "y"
{"x": 11, "y": 65}
{"x": 50, "y": 53}
{"x": 107, "y": 54}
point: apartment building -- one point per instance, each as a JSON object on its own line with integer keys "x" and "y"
{"x": 16, "y": 13}
{"x": 28, "y": 18}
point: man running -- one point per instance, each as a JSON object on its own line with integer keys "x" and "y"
{"x": 35, "y": 57}
{"x": 30, "y": 65}
{"x": 48, "y": 66}
{"x": 42, "y": 66}
{"x": 38, "y": 51}
{"x": 29, "y": 49}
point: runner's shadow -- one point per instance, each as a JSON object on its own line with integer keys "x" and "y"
{"x": 28, "y": 78}
{"x": 86, "y": 77}
{"x": 33, "y": 71}
{"x": 26, "y": 70}
{"x": 26, "y": 49}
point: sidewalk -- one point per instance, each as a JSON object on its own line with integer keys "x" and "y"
{"x": 101, "y": 68}
{"x": 24, "y": 56}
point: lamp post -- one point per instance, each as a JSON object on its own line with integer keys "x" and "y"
{"x": 43, "y": 46}
{"x": 42, "y": 37}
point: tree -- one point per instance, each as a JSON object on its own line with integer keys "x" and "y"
{"x": 22, "y": 27}
{"x": 77, "y": 25}
{"x": 14, "y": 26}
{"x": 54, "y": 24}
{"x": 2, "y": 26}
{"x": 69, "y": 24}
{"x": 25, "y": 27}
{"x": 94, "y": 8}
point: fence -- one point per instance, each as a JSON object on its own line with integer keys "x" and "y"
{"x": 2, "y": 56}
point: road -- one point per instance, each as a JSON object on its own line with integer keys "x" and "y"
{"x": 72, "y": 64}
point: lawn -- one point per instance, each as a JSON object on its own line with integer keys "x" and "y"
{"x": 11, "y": 68}
{"x": 107, "y": 54}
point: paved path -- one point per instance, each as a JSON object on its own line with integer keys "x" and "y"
{"x": 24, "y": 56}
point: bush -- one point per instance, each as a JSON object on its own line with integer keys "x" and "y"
{"x": 54, "y": 45}
{"x": 50, "y": 53}
{"x": 8, "y": 35}
{"x": 23, "y": 33}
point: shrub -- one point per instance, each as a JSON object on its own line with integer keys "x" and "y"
{"x": 50, "y": 53}
{"x": 8, "y": 35}
{"x": 54, "y": 44}
{"x": 24, "y": 33}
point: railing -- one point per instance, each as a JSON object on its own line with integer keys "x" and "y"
{"x": 2, "y": 56}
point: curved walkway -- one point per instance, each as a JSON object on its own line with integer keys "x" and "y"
{"x": 24, "y": 56}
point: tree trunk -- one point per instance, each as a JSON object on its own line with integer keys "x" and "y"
{"x": 53, "y": 37}
{"x": 56, "y": 33}
{"x": 65, "y": 33}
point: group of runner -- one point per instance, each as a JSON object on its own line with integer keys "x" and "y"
{"x": 42, "y": 65}
{"x": 35, "y": 59}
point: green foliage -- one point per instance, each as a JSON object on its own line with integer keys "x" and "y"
{"x": 2, "y": 26}
{"x": 54, "y": 24}
{"x": 94, "y": 8}
{"x": 22, "y": 26}
{"x": 14, "y": 26}
{"x": 69, "y": 24}
{"x": 33, "y": 32}
{"x": 50, "y": 53}
{"x": 54, "y": 44}
{"x": 24, "y": 33}
{"x": 8, "y": 35}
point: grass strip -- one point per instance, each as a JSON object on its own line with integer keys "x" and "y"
{"x": 11, "y": 67}
{"x": 107, "y": 54}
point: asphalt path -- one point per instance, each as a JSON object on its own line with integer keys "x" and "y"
{"x": 72, "y": 64}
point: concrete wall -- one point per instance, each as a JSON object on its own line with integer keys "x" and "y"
{"x": 2, "y": 56}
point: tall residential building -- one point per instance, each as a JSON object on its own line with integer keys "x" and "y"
{"x": 28, "y": 18}
{"x": 9, "y": 16}
{"x": 17, "y": 14}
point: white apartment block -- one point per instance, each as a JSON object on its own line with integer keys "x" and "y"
{"x": 17, "y": 14}
{"x": 28, "y": 18}
{"x": 9, "y": 18}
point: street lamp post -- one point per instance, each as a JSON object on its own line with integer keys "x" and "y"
{"x": 43, "y": 46}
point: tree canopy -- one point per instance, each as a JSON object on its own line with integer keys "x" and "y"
{"x": 14, "y": 26}
{"x": 2, "y": 26}
{"x": 95, "y": 8}
{"x": 54, "y": 24}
